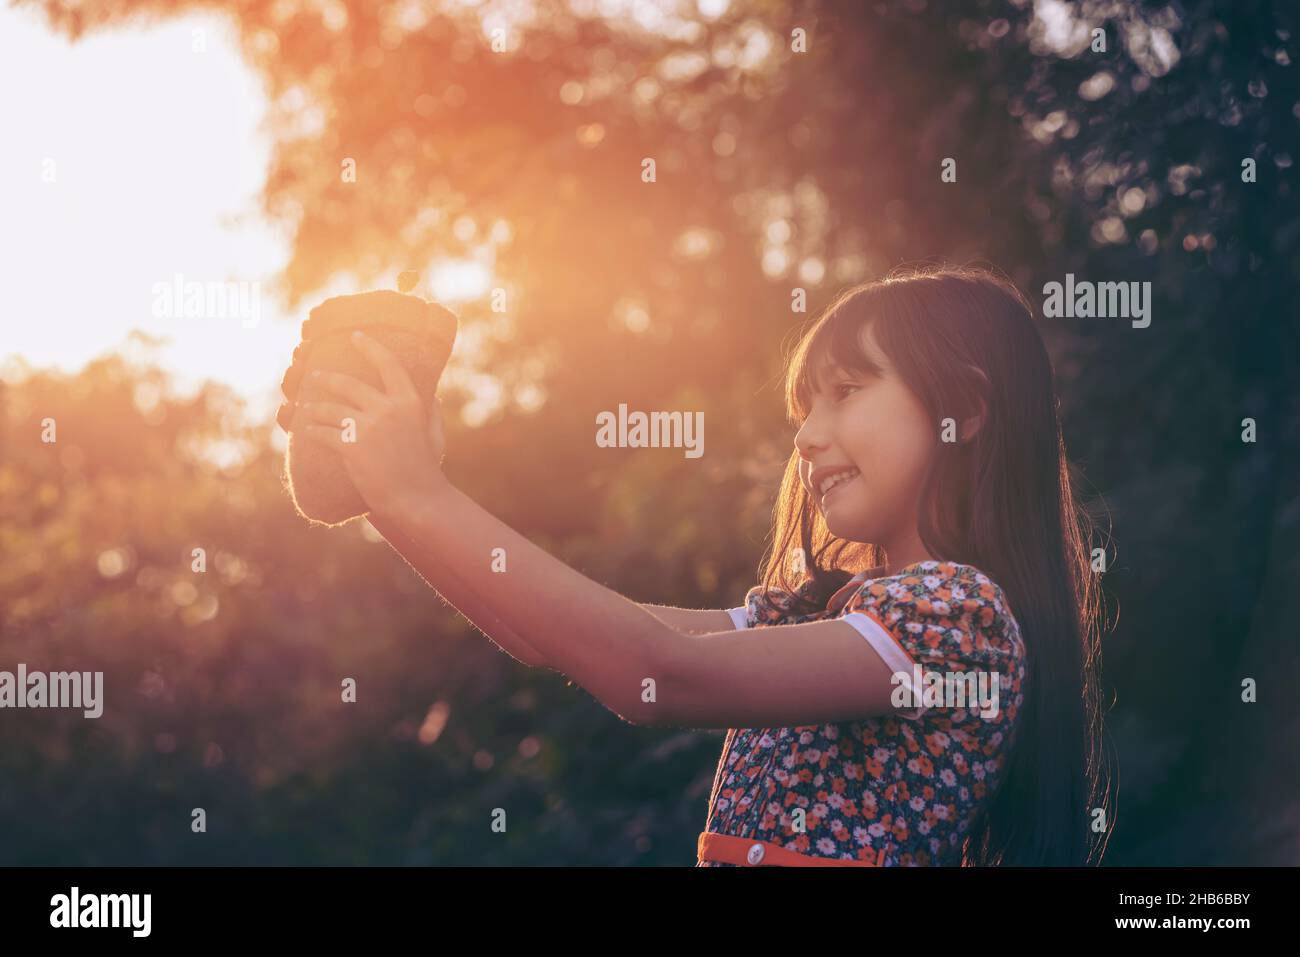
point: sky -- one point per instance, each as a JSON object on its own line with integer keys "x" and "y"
{"x": 130, "y": 159}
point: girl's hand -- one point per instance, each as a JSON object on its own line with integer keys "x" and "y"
{"x": 393, "y": 447}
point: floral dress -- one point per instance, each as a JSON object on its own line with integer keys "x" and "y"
{"x": 899, "y": 789}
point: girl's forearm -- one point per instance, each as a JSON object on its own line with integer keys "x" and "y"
{"x": 607, "y": 643}
{"x": 479, "y": 614}
{"x": 692, "y": 621}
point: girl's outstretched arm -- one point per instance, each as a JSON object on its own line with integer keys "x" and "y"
{"x": 634, "y": 663}
{"x": 691, "y": 621}
{"x": 478, "y": 614}
{"x": 782, "y": 675}
{"x": 481, "y": 615}
{"x": 603, "y": 641}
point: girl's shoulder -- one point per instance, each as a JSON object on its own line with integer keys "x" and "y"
{"x": 920, "y": 587}
{"x": 943, "y": 601}
{"x": 936, "y": 579}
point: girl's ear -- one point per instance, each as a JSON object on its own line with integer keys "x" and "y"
{"x": 971, "y": 425}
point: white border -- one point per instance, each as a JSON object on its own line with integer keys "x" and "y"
{"x": 891, "y": 653}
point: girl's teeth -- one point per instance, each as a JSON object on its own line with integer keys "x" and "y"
{"x": 840, "y": 480}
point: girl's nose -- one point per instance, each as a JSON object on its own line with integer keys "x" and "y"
{"x": 809, "y": 438}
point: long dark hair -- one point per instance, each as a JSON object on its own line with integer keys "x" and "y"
{"x": 963, "y": 339}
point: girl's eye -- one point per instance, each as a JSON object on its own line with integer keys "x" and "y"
{"x": 837, "y": 391}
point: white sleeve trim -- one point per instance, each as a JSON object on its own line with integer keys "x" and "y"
{"x": 891, "y": 653}
{"x": 738, "y": 618}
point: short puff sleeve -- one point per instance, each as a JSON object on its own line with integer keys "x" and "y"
{"x": 943, "y": 617}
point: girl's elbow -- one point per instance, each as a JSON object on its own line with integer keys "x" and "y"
{"x": 644, "y": 714}
{"x": 656, "y": 684}
{"x": 535, "y": 660}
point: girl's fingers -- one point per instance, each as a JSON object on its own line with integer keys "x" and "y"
{"x": 323, "y": 434}
{"x": 436, "y": 435}
{"x": 329, "y": 413}
{"x": 344, "y": 386}
{"x": 397, "y": 382}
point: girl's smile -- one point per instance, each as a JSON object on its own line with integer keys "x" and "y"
{"x": 828, "y": 481}
{"x": 826, "y": 496}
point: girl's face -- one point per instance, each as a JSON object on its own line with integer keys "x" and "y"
{"x": 872, "y": 424}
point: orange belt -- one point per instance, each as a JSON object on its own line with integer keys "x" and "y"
{"x": 747, "y": 852}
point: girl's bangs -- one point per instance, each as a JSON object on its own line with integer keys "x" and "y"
{"x": 833, "y": 345}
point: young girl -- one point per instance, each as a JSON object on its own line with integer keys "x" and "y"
{"x": 915, "y": 680}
